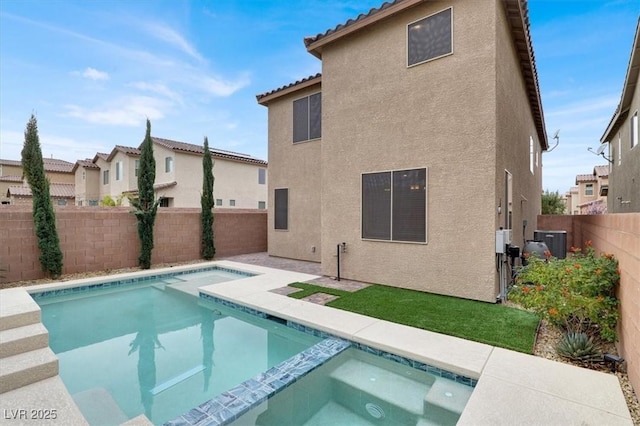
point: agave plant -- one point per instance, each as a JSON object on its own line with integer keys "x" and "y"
{"x": 578, "y": 347}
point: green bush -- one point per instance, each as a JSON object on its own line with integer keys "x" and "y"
{"x": 576, "y": 293}
{"x": 578, "y": 347}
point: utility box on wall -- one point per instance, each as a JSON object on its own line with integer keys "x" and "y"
{"x": 555, "y": 240}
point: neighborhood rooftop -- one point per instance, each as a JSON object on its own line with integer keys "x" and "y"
{"x": 197, "y": 149}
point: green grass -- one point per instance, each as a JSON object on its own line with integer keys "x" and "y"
{"x": 496, "y": 325}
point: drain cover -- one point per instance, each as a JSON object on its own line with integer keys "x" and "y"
{"x": 374, "y": 411}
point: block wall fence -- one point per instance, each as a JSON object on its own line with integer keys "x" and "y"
{"x": 618, "y": 234}
{"x": 103, "y": 238}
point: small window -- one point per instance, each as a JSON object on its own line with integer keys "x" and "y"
{"x": 80, "y": 203}
{"x": 93, "y": 203}
{"x": 262, "y": 176}
{"x": 619, "y": 149}
{"x": 218, "y": 201}
{"x": 394, "y": 205}
{"x": 166, "y": 202}
{"x": 307, "y": 118}
{"x": 232, "y": 203}
{"x": 634, "y": 130}
{"x": 430, "y": 38}
{"x": 137, "y": 167}
{"x": 262, "y": 205}
{"x": 62, "y": 202}
{"x": 281, "y": 201}
{"x": 168, "y": 164}
{"x": 588, "y": 189}
{"x": 84, "y": 175}
{"x": 119, "y": 170}
{"x": 105, "y": 177}
{"x": 531, "y": 154}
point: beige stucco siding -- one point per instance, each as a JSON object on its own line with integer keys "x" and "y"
{"x": 87, "y": 185}
{"x": 378, "y": 115}
{"x": 296, "y": 167}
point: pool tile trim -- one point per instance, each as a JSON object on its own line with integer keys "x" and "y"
{"x": 130, "y": 281}
{"x": 230, "y": 405}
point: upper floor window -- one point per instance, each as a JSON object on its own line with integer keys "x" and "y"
{"x": 394, "y": 205}
{"x": 634, "y": 129}
{"x": 137, "y": 167}
{"x": 105, "y": 177}
{"x": 430, "y": 38}
{"x": 168, "y": 164}
{"x": 262, "y": 176}
{"x": 531, "y": 154}
{"x": 307, "y": 120}
{"x": 588, "y": 189}
{"x": 119, "y": 170}
{"x": 619, "y": 149}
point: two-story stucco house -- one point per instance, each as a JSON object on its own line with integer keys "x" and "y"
{"x": 14, "y": 189}
{"x": 592, "y": 189}
{"x": 421, "y": 137}
{"x": 623, "y": 138}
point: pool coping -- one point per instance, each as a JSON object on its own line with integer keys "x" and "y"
{"x": 511, "y": 386}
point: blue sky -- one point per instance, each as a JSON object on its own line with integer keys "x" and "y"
{"x": 93, "y": 71}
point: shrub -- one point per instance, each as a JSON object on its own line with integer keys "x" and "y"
{"x": 578, "y": 347}
{"x": 576, "y": 293}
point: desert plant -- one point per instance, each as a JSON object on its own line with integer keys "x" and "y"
{"x": 44, "y": 218}
{"x": 576, "y": 293}
{"x": 206, "y": 201}
{"x": 145, "y": 205}
{"x": 108, "y": 201}
{"x": 578, "y": 347}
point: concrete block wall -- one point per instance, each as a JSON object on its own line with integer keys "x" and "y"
{"x": 102, "y": 238}
{"x": 618, "y": 234}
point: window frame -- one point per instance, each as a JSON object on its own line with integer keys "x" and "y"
{"x": 218, "y": 201}
{"x": 136, "y": 167}
{"x": 105, "y": 177}
{"x": 232, "y": 203}
{"x": 435, "y": 57}
{"x": 531, "y": 154}
{"x": 275, "y": 210}
{"x": 119, "y": 171}
{"x": 633, "y": 130}
{"x": 168, "y": 164}
{"x": 262, "y": 176}
{"x": 262, "y": 205}
{"x": 391, "y": 225}
{"x": 588, "y": 186}
{"x": 293, "y": 118}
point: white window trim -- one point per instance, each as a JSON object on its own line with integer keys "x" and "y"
{"x": 593, "y": 189}
{"x": 426, "y": 206}
{"x": 168, "y": 161}
{"x": 633, "y": 130}
{"x": 119, "y": 170}
{"x": 619, "y": 148}
{"x": 531, "y": 154}
{"x": 407, "y": 39}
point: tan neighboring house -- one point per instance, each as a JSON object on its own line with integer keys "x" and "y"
{"x": 240, "y": 179}
{"x": 591, "y": 197}
{"x": 15, "y": 190}
{"x": 422, "y": 110}
{"x": 622, "y": 135}
{"x": 571, "y": 201}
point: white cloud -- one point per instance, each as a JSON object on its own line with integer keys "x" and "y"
{"x": 169, "y": 35}
{"x": 219, "y": 87}
{"x": 157, "y": 87}
{"x": 128, "y": 111}
{"x": 94, "y": 74}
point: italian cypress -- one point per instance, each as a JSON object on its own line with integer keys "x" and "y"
{"x": 43, "y": 214}
{"x": 146, "y": 206}
{"x": 206, "y": 201}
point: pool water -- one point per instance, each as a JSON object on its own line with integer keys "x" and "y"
{"x": 357, "y": 388}
{"x": 153, "y": 348}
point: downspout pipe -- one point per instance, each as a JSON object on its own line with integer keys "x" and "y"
{"x": 338, "y": 253}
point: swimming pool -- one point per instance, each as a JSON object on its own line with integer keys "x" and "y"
{"x": 151, "y": 347}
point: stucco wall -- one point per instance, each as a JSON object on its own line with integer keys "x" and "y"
{"x": 380, "y": 115}
{"x": 106, "y": 238}
{"x": 618, "y": 234}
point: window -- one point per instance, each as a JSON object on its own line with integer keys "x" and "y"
{"x": 307, "y": 118}
{"x": 137, "y": 167}
{"x": 634, "y": 129}
{"x": 232, "y": 203}
{"x": 119, "y": 170}
{"x": 84, "y": 175}
{"x": 168, "y": 164}
{"x": 80, "y": 203}
{"x": 262, "y": 176}
{"x": 531, "y": 154}
{"x": 619, "y": 149}
{"x": 62, "y": 202}
{"x": 281, "y": 201}
{"x": 588, "y": 189}
{"x": 218, "y": 201}
{"x": 166, "y": 202}
{"x": 394, "y": 205}
{"x": 105, "y": 177}
{"x": 93, "y": 203}
{"x": 262, "y": 205}
{"x": 430, "y": 38}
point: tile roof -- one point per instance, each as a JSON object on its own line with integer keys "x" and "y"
{"x": 585, "y": 178}
{"x": 87, "y": 163}
{"x": 11, "y": 178}
{"x": 198, "y": 149}
{"x": 10, "y": 163}
{"x": 156, "y": 186}
{"x": 127, "y": 150}
{"x": 101, "y": 155}
{"x": 56, "y": 190}
{"x": 601, "y": 171}
{"x": 55, "y": 165}
{"x": 311, "y": 80}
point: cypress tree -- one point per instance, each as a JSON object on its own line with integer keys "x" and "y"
{"x": 43, "y": 214}
{"x": 206, "y": 201}
{"x": 146, "y": 206}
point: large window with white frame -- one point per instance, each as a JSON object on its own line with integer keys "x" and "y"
{"x": 430, "y": 38}
{"x": 119, "y": 170}
{"x": 307, "y": 118}
{"x": 394, "y": 205}
{"x": 634, "y": 129}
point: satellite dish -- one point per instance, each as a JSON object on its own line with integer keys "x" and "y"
{"x": 555, "y": 135}
{"x": 601, "y": 149}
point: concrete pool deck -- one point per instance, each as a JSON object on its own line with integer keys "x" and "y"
{"x": 513, "y": 388}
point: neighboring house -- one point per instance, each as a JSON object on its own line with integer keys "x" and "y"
{"x": 592, "y": 191}
{"x": 240, "y": 180}
{"x": 59, "y": 173}
{"x": 422, "y": 136}
{"x": 623, "y": 136}
{"x": 571, "y": 201}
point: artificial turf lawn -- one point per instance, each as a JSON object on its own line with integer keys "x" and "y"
{"x": 494, "y": 324}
